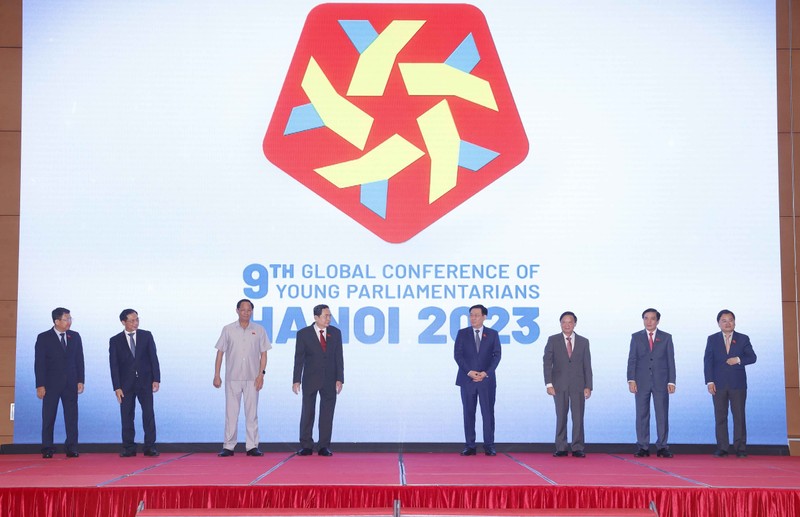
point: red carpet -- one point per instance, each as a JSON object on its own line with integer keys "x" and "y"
{"x": 103, "y": 484}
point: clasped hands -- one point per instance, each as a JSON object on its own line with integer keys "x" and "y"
{"x": 476, "y": 376}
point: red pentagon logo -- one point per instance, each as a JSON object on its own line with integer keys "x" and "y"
{"x": 395, "y": 113}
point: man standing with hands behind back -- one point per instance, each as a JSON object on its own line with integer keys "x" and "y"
{"x": 477, "y": 353}
{"x": 318, "y": 368}
{"x": 651, "y": 371}
{"x": 568, "y": 379}
{"x": 59, "y": 370}
{"x": 727, "y": 353}
{"x": 135, "y": 374}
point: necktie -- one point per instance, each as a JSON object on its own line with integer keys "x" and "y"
{"x": 478, "y": 340}
{"x": 728, "y": 344}
{"x": 63, "y": 343}
{"x": 322, "y": 341}
{"x": 133, "y": 344}
{"x": 569, "y": 346}
{"x": 651, "y": 341}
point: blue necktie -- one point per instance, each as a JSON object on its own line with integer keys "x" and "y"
{"x": 63, "y": 343}
{"x": 133, "y": 344}
{"x": 478, "y": 340}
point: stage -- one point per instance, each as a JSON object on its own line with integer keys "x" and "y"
{"x": 103, "y": 484}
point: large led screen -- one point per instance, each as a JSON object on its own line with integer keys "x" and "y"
{"x": 401, "y": 163}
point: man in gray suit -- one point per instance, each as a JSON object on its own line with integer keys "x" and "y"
{"x": 568, "y": 378}
{"x": 651, "y": 371}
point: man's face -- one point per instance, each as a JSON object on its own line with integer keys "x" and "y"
{"x": 64, "y": 323}
{"x": 567, "y": 324}
{"x": 245, "y": 312}
{"x": 131, "y": 322}
{"x": 727, "y": 323}
{"x": 650, "y": 321}
{"x": 476, "y": 318}
{"x": 324, "y": 319}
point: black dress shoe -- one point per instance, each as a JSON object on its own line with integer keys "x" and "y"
{"x": 224, "y": 453}
{"x": 642, "y": 453}
{"x": 305, "y": 452}
{"x": 490, "y": 451}
{"x": 325, "y": 452}
{"x": 151, "y": 452}
{"x": 719, "y": 453}
{"x": 741, "y": 454}
{"x": 72, "y": 454}
{"x": 469, "y": 451}
{"x": 127, "y": 454}
{"x": 47, "y": 454}
{"x": 664, "y": 453}
{"x": 560, "y": 454}
{"x": 578, "y": 454}
{"x": 254, "y": 452}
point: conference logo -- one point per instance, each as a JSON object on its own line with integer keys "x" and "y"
{"x": 396, "y": 113}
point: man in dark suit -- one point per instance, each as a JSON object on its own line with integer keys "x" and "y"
{"x": 727, "y": 353}
{"x": 59, "y": 370}
{"x": 568, "y": 379}
{"x": 651, "y": 371}
{"x": 135, "y": 373}
{"x": 477, "y": 353}
{"x": 318, "y": 368}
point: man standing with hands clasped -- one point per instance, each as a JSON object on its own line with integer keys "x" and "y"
{"x": 568, "y": 379}
{"x": 135, "y": 373}
{"x": 318, "y": 369}
{"x": 244, "y": 345}
{"x": 651, "y": 372}
{"x": 477, "y": 353}
{"x": 727, "y": 353}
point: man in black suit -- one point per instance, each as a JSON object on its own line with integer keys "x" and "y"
{"x": 59, "y": 370}
{"x": 319, "y": 368}
{"x": 477, "y": 353}
{"x": 651, "y": 372}
{"x": 135, "y": 373}
{"x": 568, "y": 379}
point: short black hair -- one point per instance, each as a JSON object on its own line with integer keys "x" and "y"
{"x": 658, "y": 314}
{"x": 58, "y": 312}
{"x": 319, "y": 308}
{"x": 723, "y": 312}
{"x": 123, "y": 316}
{"x": 483, "y": 309}
{"x": 240, "y": 302}
{"x": 568, "y": 313}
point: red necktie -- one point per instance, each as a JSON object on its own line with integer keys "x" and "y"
{"x": 651, "y": 341}
{"x": 569, "y": 346}
{"x": 322, "y": 340}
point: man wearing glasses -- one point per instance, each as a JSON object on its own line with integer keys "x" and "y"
{"x": 59, "y": 372}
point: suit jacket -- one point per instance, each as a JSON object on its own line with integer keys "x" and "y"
{"x": 125, "y": 369}
{"x": 565, "y": 372}
{"x": 661, "y": 361}
{"x": 718, "y": 371}
{"x": 313, "y": 367}
{"x": 56, "y": 368}
{"x": 468, "y": 358}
